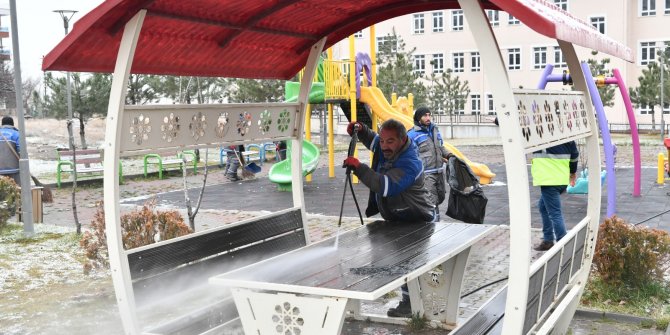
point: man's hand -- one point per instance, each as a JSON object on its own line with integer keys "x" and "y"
{"x": 351, "y": 126}
{"x": 573, "y": 179}
{"x": 351, "y": 162}
{"x": 446, "y": 159}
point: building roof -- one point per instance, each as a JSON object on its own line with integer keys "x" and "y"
{"x": 263, "y": 38}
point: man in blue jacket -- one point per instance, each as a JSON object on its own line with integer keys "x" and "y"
{"x": 9, "y": 149}
{"x": 395, "y": 181}
{"x": 553, "y": 169}
{"x": 427, "y": 138}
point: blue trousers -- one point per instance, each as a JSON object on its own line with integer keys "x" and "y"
{"x": 550, "y": 209}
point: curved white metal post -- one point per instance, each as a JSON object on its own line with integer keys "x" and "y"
{"x": 117, "y": 257}
{"x": 515, "y": 164}
{"x": 594, "y": 195}
{"x": 296, "y": 146}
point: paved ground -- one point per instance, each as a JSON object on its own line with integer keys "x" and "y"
{"x": 227, "y": 202}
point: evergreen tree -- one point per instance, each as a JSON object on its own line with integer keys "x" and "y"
{"x": 447, "y": 94}
{"x": 395, "y": 68}
{"x": 599, "y": 68}
{"x": 648, "y": 93}
{"x": 254, "y": 90}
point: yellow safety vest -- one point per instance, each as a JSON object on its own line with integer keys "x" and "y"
{"x": 550, "y": 169}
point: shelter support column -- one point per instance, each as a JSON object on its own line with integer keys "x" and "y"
{"x": 515, "y": 165}
{"x": 117, "y": 256}
{"x": 296, "y": 143}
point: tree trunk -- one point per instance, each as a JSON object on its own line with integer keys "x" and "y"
{"x": 74, "y": 176}
{"x": 189, "y": 209}
{"x": 82, "y": 133}
{"x": 653, "y": 118}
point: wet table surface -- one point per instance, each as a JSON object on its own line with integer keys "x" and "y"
{"x": 363, "y": 263}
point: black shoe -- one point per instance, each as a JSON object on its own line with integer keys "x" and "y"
{"x": 232, "y": 177}
{"x": 403, "y": 310}
{"x": 544, "y": 246}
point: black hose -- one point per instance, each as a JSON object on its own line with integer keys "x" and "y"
{"x": 347, "y": 179}
{"x": 483, "y": 287}
{"x": 647, "y": 219}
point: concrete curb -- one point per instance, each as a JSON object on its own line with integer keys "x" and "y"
{"x": 595, "y": 314}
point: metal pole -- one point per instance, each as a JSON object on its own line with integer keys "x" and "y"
{"x": 24, "y": 166}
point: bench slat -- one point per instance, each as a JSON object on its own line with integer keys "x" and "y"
{"x": 167, "y": 256}
{"x": 488, "y": 319}
{"x": 198, "y": 273}
{"x": 199, "y": 321}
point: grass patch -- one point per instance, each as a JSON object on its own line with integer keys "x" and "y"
{"x": 649, "y": 301}
{"x": 38, "y": 238}
{"x": 417, "y": 322}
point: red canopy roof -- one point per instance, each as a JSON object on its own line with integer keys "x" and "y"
{"x": 263, "y": 38}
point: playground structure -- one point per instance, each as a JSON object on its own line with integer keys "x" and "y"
{"x": 663, "y": 168}
{"x": 258, "y": 39}
{"x": 608, "y": 147}
{"x": 329, "y": 86}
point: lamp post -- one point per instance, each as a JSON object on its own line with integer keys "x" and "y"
{"x": 661, "y": 54}
{"x": 67, "y": 15}
{"x": 24, "y": 166}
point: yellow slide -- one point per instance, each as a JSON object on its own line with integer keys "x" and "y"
{"x": 374, "y": 97}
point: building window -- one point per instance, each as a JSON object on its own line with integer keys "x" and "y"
{"x": 475, "y": 62}
{"x": 489, "y": 103}
{"x": 666, "y": 107}
{"x": 457, "y": 20}
{"x": 494, "y": 17}
{"x": 459, "y": 61}
{"x": 514, "y": 59}
{"x": 563, "y": 4}
{"x": 358, "y": 34}
{"x": 648, "y": 7}
{"x": 667, "y": 7}
{"x": 645, "y": 110}
{"x": 559, "y": 59}
{"x": 475, "y": 103}
{"x": 599, "y": 23}
{"x": 387, "y": 42}
{"x": 418, "y": 24}
{"x": 511, "y": 20}
{"x": 420, "y": 64}
{"x": 438, "y": 63}
{"x": 539, "y": 57}
{"x": 438, "y": 22}
{"x": 647, "y": 52}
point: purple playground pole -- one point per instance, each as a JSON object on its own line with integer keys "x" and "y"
{"x": 618, "y": 80}
{"x": 607, "y": 141}
{"x": 363, "y": 61}
{"x": 544, "y": 78}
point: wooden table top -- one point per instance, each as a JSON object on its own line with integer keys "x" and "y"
{"x": 366, "y": 263}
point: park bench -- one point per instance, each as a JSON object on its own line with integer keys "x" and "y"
{"x": 165, "y": 163}
{"x": 169, "y": 268}
{"x": 87, "y": 161}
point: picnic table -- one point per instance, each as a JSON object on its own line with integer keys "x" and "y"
{"x": 311, "y": 289}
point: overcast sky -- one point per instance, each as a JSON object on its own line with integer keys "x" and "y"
{"x": 40, "y": 29}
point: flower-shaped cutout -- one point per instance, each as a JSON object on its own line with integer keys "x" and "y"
{"x": 198, "y": 125}
{"x": 170, "y": 127}
{"x": 243, "y": 123}
{"x": 284, "y": 120}
{"x": 264, "y": 122}
{"x": 222, "y": 124}
{"x": 139, "y": 129}
{"x": 287, "y": 319}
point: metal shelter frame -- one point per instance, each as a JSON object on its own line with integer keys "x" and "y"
{"x": 131, "y": 130}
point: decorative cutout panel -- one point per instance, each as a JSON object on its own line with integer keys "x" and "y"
{"x": 551, "y": 117}
{"x": 189, "y": 126}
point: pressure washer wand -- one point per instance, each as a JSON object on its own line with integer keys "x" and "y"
{"x": 347, "y": 178}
